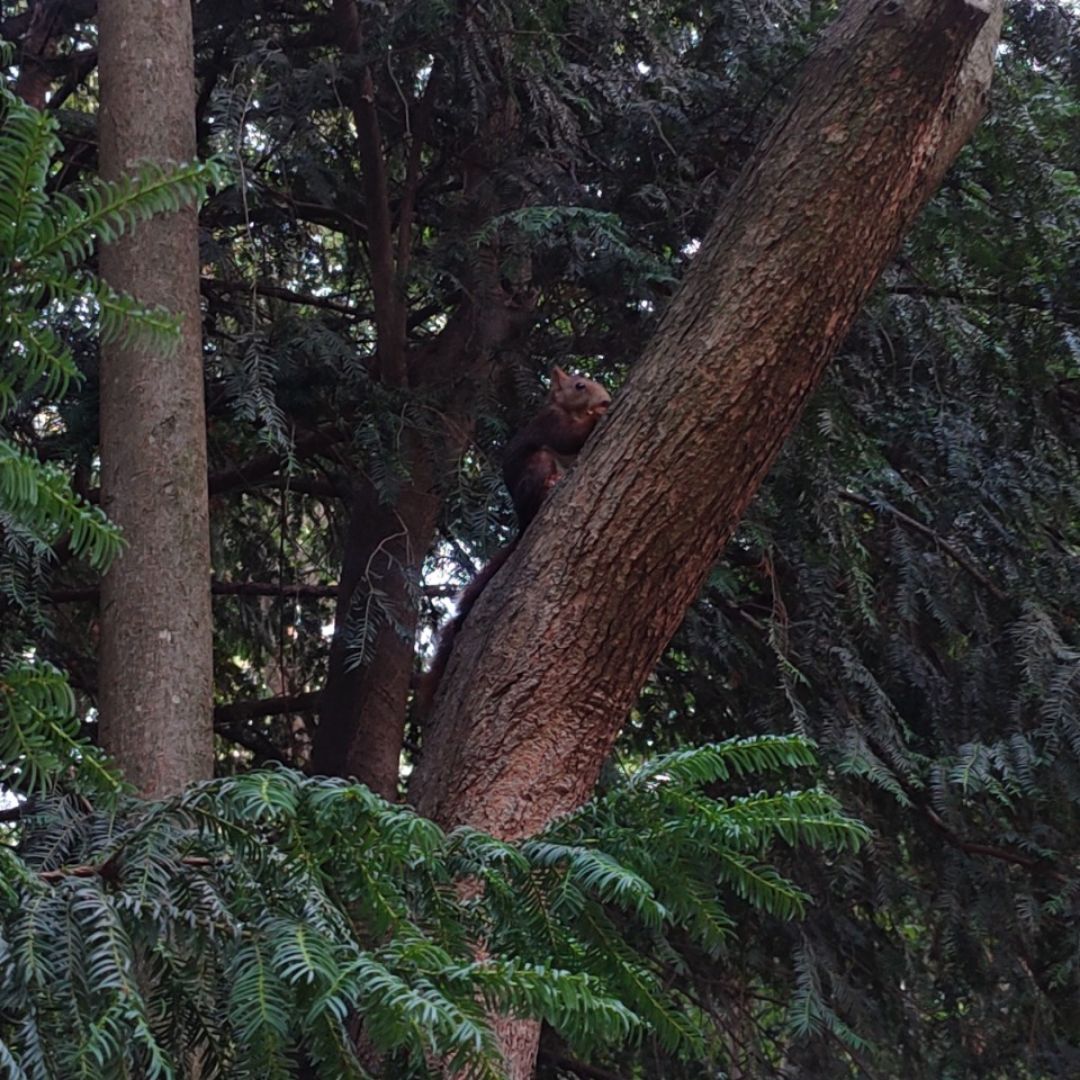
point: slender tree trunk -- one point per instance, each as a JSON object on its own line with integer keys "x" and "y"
{"x": 556, "y": 650}
{"x": 363, "y": 705}
{"x": 156, "y": 659}
{"x": 362, "y": 709}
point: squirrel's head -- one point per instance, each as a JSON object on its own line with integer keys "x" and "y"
{"x": 577, "y": 394}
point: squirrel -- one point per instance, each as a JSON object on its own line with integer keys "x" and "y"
{"x": 538, "y": 455}
{"x": 534, "y": 461}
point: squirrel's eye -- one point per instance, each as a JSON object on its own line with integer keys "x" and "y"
{"x": 579, "y": 386}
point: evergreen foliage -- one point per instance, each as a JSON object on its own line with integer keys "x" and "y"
{"x": 244, "y": 924}
{"x": 904, "y": 591}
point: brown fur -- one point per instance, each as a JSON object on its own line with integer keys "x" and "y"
{"x": 539, "y": 454}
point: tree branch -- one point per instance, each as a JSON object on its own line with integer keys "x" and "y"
{"x": 295, "y": 590}
{"x": 277, "y": 292}
{"x": 917, "y": 526}
{"x": 107, "y": 869}
{"x": 970, "y": 847}
{"x": 259, "y": 468}
{"x": 412, "y": 176}
{"x": 268, "y": 588}
{"x": 217, "y": 588}
{"x": 238, "y": 711}
{"x": 263, "y": 749}
{"x": 1024, "y": 299}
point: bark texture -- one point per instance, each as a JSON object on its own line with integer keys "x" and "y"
{"x": 156, "y": 659}
{"x": 555, "y": 652}
{"x": 362, "y": 709}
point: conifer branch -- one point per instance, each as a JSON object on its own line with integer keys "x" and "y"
{"x": 258, "y": 708}
{"x": 940, "y": 542}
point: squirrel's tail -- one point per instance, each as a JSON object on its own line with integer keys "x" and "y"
{"x": 429, "y": 681}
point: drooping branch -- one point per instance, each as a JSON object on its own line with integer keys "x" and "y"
{"x": 940, "y": 542}
{"x": 972, "y": 847}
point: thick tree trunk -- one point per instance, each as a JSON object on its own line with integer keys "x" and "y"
{"x": 156, "y": 659}
{"x": 556, "y": 650}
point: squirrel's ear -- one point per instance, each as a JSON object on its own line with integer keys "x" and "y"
{"x": 558, "y": 375}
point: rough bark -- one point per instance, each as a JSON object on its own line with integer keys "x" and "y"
{"x": 156, "y": 660}
{"x": 556, "y": 650}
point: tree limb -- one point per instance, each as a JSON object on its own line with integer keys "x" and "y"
{"x": 107, "y": 869}
{"x": 942, "y": 544}
{"x": 258, "y": 469}
{"x": 238, "y": 711}
{"x": 278, "y": 292}
{"x": 361, "y": 99}
{"x": 1021, "y": 298}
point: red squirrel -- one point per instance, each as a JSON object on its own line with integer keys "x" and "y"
{"x": 534, "y": 460}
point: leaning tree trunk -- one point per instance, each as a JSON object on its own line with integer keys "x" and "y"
{"x": 156, "y": 660}
{"x": 555, "y": 652}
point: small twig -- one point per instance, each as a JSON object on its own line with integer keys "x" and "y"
{"x": 106, "y": 869}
